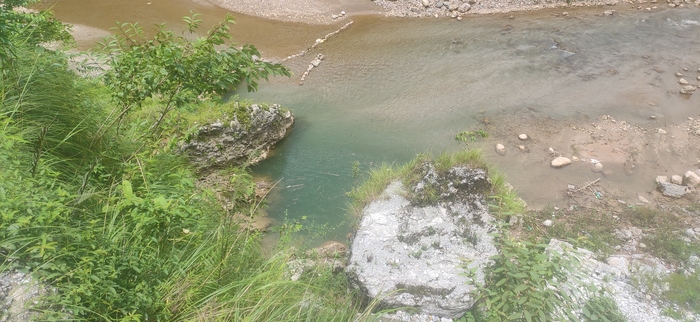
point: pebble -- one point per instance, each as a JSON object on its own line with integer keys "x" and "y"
{"x": 609, "y": 12}
{"x": 679, "y": 75}
{"x": 575, "y": 159}
{"x": 598, "y": 167}
{"x": 523, "y": 148}
{"x": 342, "y": 13}
{"x": 642, "y": 199}
{"x": 653, "y": 117}
{"x": 560, "y": 162}
{"x": 661, "y": 131}
{"x": 334, "y": 16}
{"x": 687, "y": 89}
{"x": 522, "y": 137}
{"x": 500, "y": 149}
{"x": 547, "y": 223}
{"x": 682, "y": 81}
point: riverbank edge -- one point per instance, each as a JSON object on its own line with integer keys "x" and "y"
{"x": 324, "y": 12}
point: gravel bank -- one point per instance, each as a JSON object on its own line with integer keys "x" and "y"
{"x": 329, "y": 11}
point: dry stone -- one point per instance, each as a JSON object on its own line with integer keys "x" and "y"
{"x": 500, "y": 149}
{"x": 560, "y": 162}
{"x": 672, "y": 190}
{"x": 411, "y": 253}
{"x": 676, "y": 179}
{"x": 692, "y": 179}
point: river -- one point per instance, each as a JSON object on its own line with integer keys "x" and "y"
{"x": 390, "y": 88}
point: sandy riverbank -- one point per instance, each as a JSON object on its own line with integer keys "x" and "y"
{"x": 305, "y": 11}
{"x": 329, "y": 11}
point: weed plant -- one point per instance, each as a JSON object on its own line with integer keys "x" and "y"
{"x": 597, "y": 228}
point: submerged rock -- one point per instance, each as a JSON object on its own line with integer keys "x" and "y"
{"x": 414, "y": 253}
{"x": 244, "y": 138}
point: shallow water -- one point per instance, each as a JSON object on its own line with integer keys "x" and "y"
{"x": 272, "y": 38}
{"x": 391, "y": 88}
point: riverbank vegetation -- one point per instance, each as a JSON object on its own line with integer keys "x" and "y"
{"x": 99, "y": 208}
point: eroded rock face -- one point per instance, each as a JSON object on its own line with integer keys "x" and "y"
{"x": 244, "y": 139}
{"x": 414, "y": 253}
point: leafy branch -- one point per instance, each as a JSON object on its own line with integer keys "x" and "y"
{"x": 175, "y": 70}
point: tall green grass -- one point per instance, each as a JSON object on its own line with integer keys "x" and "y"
{"x": 57, "y": 111}
{"x": 503, "y": 198}
{"x": 116, "y": 227}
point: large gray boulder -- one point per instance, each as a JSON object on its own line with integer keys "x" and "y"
{"x": 243, "y": 138}
{"x": 414, "y": 244}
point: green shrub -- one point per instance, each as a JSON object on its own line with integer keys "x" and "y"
{"x": 602, "y": 308}
{"x": 524, "y": 283}
{"x": 684, "y": 290}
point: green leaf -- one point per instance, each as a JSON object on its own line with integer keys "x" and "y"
{"x": 501, "y": 282}
{"x": 520, "y": 288}
{"x": 127, "y": 190}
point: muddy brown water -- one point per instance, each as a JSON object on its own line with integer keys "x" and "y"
{"x": 391, "y": 88}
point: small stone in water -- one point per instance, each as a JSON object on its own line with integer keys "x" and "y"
{"x": 500, "y": 149}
